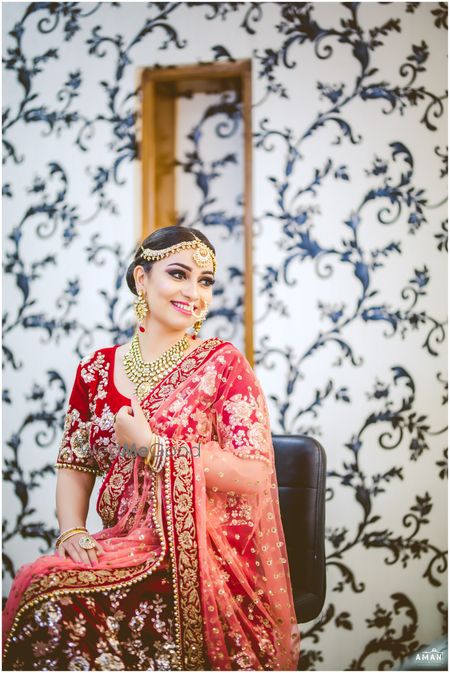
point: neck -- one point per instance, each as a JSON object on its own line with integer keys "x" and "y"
{"x": 157, "y": 339}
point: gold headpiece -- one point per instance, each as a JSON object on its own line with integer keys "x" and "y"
{"x": 202, "y": 256}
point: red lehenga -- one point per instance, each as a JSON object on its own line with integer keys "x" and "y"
{"x": 195, "y": 574}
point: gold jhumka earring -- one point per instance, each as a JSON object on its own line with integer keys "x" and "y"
{"x": 141, "y": 309}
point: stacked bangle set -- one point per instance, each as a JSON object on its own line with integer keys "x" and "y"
{"x": 157, "y": 453}
{"x": 68, "y": 533}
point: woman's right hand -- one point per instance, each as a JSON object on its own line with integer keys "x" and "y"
{"x": 70, "y": 548}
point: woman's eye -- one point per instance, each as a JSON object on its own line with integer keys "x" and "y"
{"x": 209, "y": 281}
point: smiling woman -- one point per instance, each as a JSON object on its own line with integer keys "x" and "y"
{"x": 185, "y": 281}
{"x": 190, "y": 571}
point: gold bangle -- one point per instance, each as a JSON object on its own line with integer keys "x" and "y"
{"x": 159, "y": 455}
{"x": 61, "y": 535}
{"x": 150, "y": 457}
{"x": 68, "y": 533}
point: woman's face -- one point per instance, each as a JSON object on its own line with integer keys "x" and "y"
{"x": 176, "y": 278}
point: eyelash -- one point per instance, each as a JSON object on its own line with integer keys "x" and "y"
{"x": 210, "y": 283}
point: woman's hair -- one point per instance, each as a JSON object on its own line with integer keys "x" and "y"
{"x": 159, "y": 239}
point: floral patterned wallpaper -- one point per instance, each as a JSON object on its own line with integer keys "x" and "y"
{"x": 350, "y": 243}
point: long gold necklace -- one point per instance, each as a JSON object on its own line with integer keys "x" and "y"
{"x": 145, "y": 375}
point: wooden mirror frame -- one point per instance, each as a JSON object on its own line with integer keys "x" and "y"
{"x": 156, "y": 150}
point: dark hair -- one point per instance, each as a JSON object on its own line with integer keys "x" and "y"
{"x": 159, "y": 239}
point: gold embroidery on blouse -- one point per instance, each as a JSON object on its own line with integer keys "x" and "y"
{"x": 78, "y": 445}
{"x": 75, "y": 445}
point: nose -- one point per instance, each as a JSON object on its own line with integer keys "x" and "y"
{"x": 190, "y": 290}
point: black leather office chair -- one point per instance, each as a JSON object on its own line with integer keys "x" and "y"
{"x": 300, "y": 463}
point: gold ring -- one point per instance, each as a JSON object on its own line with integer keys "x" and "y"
{"x": 86, "y": 542}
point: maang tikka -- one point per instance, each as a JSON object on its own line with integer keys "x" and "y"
{"x": 141, "y": 309}
{"x": 203, "y": 254}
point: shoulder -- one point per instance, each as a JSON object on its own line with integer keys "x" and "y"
{"x": 97, "y": 355}
{"x": 230, "y": 356}
{"x": 228, "y": 348}
{"x": 216, "y": 341}
{"x": 94, "y": 362}
{"x": 221, "y": 347}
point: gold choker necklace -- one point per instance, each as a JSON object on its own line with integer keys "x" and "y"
{"x": 147, "y": 374}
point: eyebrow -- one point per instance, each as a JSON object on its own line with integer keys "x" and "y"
{"x": 188, "y": 268}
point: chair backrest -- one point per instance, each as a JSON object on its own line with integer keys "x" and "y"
{"x": 300, "y": 463}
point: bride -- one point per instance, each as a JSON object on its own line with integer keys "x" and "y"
{"x": 190, "y": 569}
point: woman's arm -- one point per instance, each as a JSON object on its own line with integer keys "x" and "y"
{"x": 227, "y": 472}
{"x": 75, "y": 450}
{"x": 241, "y": 460}
{"x": 77, "y": 470}
{"x": 73, "y": 492}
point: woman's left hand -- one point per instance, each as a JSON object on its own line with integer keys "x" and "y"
{"x": 132, "y": 427}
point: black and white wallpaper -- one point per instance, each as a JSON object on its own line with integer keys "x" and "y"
{"x": 350, "y": 277}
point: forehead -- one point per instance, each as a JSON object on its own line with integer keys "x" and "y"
{"x": 187, "y": 257}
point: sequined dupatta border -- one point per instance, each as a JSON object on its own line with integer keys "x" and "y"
{"x": 184, "y": 552}
{"x": 181, "y": 526}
